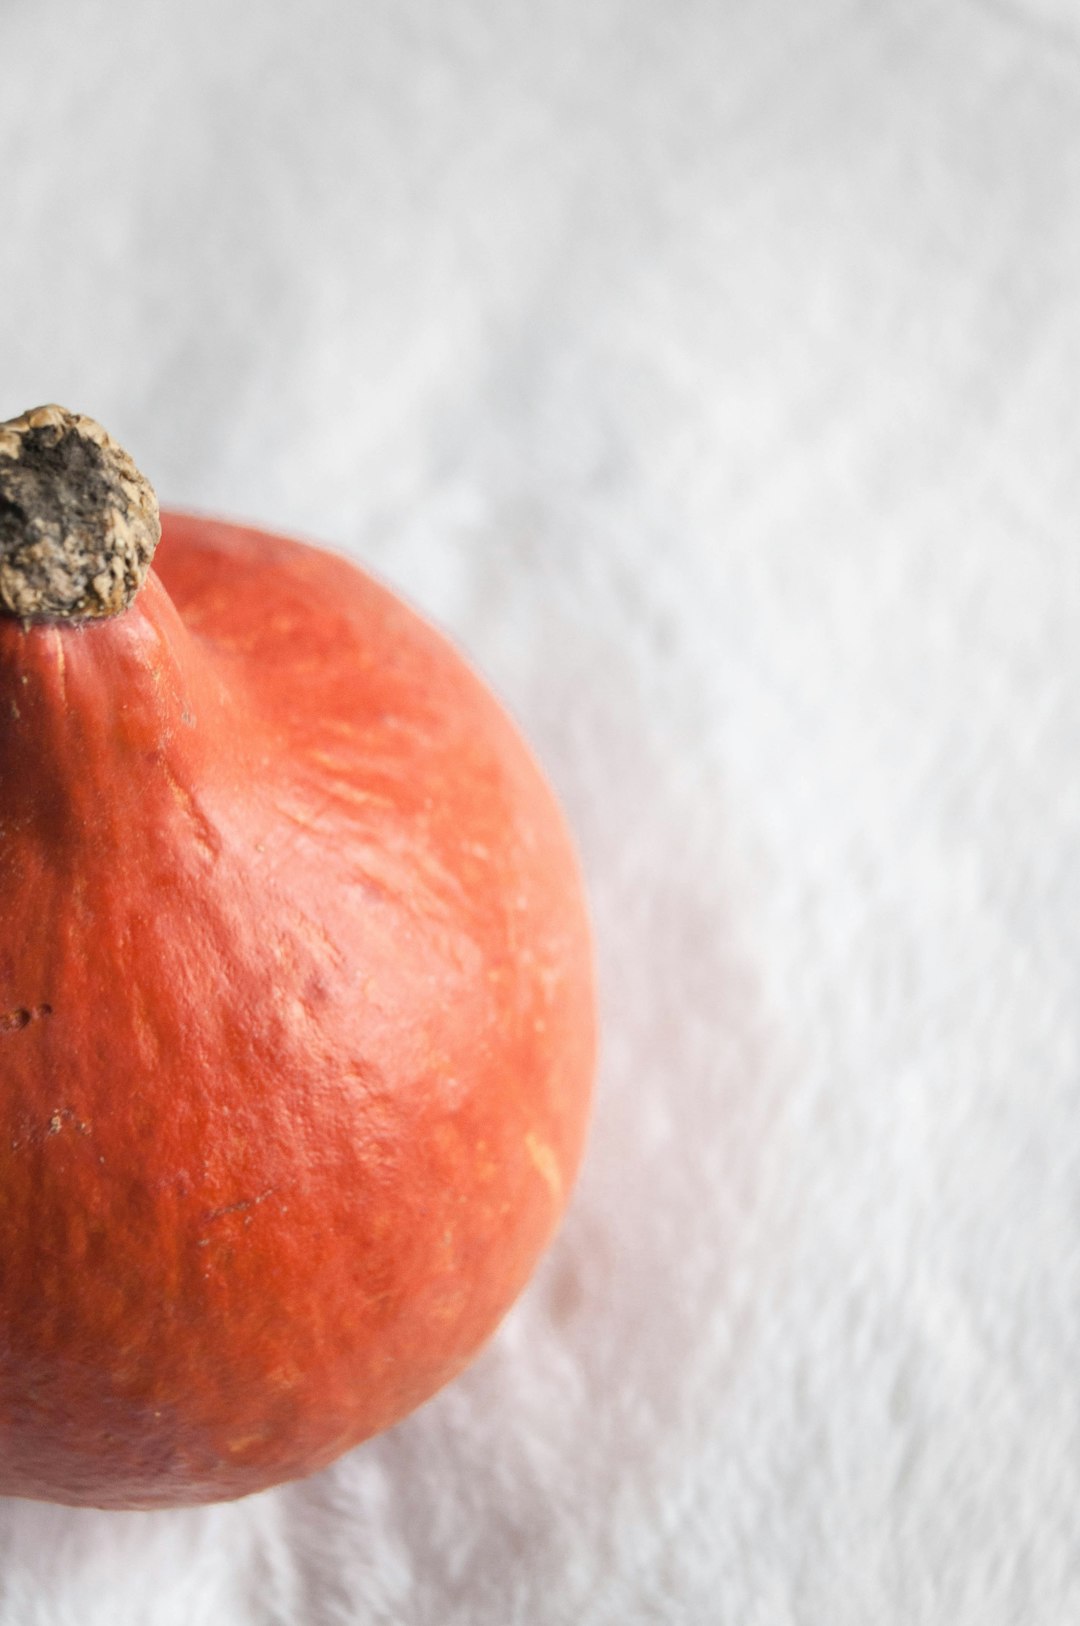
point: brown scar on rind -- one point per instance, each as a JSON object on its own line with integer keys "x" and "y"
{"x": 21, "y": 1017}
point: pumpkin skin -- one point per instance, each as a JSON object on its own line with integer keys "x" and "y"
{"x": 297, "y": 1024}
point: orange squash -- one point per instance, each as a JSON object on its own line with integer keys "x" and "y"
{"x": 296, "y": 999}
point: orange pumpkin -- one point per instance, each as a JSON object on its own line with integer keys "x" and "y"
{"x": 296, "y": 999}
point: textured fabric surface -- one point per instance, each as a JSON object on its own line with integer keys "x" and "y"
{"x": 711, "y": 372}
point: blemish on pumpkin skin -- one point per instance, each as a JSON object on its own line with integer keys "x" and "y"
{"x": 239, "y": 1208}
{"x": 22, "y": 1016}
{"x": 64, "y": 1117}
{"x": 244, "y": 1443}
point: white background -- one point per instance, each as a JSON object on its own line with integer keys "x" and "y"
{"x": 711, "y": 372}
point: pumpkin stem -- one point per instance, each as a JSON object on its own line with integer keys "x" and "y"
{"x": 78, "y": 522}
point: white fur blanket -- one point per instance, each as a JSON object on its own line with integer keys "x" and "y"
{"x": 710, "y": 371}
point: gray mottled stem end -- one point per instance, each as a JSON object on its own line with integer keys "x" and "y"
{"x": 78, "y": 522}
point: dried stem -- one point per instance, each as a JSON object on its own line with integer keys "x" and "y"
{"x": 78, "y": 522}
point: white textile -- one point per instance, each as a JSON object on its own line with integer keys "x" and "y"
{"x": 711, "y": 372}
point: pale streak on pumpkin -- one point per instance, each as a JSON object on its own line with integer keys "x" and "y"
{"x": 61, "y": 665}
{"x": 546, "y": 1164}
{"x": 341, "y": 768}
{"x": 203, "y": 828}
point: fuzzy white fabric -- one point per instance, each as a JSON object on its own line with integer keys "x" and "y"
{"x": 711, "y": 372}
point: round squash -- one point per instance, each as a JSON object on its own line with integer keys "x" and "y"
{"x": 297, "y": 1017}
